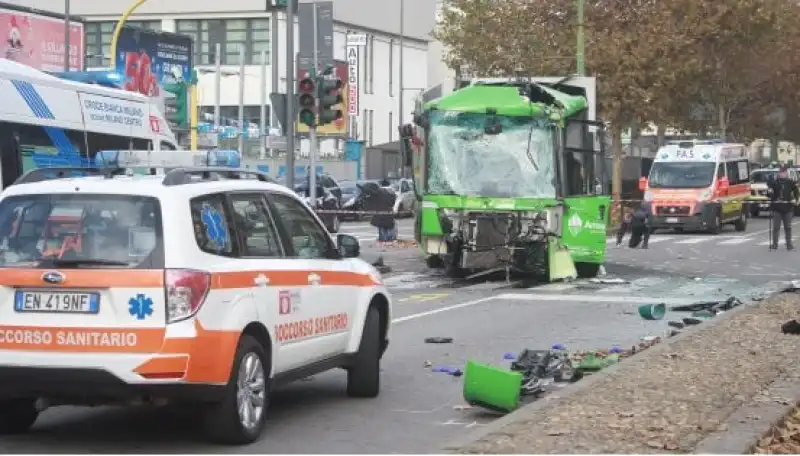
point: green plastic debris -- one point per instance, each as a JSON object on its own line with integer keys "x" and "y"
{"x": 652, "y": 311}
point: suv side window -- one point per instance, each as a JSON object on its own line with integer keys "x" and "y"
{"x": 308, "y": 237}
{"x": 212, "y": 224}
{"x": 257, "y": 233}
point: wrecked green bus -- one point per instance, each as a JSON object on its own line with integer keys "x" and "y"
{"x": 510, "y": 177}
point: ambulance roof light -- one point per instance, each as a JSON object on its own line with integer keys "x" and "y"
{"x": 166, "y": 159}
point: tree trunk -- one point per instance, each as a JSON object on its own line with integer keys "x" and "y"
{"x": 660, "y": 136}
{"x": 616, "y": 174}
{"x": 723, "y": 123}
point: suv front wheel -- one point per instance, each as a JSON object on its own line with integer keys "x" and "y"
{"x": 17, "y": 415}
{"x": 363, "y": 376}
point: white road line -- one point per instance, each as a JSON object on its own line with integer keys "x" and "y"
{"x": 735, "y": 241}
{"x": 694, "y": 240}
{"x": 444, "y": 309}
{"x": 656, "y": 239}
{"x": 552, "y": 297}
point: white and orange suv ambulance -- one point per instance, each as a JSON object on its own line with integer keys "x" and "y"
{"x": 188, "y": 286}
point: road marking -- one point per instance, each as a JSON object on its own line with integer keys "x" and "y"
{"x": 560, "y": 286}
{"x": 424, "y": 297}
{"x": 444, "y": 309}
{"x": 736, "y": 240}
{"x": 695, "y": 240}
{"x": 552, "y": 297}
{"x": 656, "y": 239}
{"x": 622, "y": 298}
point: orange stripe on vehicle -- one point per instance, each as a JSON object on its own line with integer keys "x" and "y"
{"x": 85, "y": 278}
{"x": 164, "y": 367}
{"x": 81, "y": 340}
{"x": 244, "y": 279}
{"x": 211, "y": 354}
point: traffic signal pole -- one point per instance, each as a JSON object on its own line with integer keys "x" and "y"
{"x": 312, "y": 131}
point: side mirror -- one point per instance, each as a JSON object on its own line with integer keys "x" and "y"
{"x": 642, "y": 183}
{"x": 348, "y": 246}
{"x": 723, "y": 183}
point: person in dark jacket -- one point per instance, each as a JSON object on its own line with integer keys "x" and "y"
{"x": 784, "y": 195}
{"x": 377, "y": 199}
{"x": 639, "y": 223}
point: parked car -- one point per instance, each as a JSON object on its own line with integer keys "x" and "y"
{"x": 326, "y": 200}
{"x": 351, "y": 199}
{"x": 406, "y": 198}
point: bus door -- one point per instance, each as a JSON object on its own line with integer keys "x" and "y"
{"x": 583, "y": 182}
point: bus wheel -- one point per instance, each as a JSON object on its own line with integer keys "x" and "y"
{"x": 716, "y": 225}
{"x": 741, "y": 224}
{"x": 587, "y": 270}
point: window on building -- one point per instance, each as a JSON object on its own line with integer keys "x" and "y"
{"x": 371, "y": 64}
{"x": 371, "y": 127}
{"x": 98, "y": 39}
{"x": 229, "y": 115}
{"x": 231, "y": 34}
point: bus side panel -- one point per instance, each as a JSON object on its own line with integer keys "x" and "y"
{"x": 584, "y": 233}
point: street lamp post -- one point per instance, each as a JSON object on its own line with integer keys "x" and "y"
{"x": 118, "y": 30}
{"x": 66, "y": 35}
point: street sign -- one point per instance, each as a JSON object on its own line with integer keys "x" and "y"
{"x": 305, "y": 21}
{"x": 278, "y": 102}
{"x": 275, "y": 142}
{"x": 357, "y": 39}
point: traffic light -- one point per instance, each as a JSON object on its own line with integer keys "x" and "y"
{"x": 181, "y": 115}
{"x": 329, "y": 96}
{"x": 306, "y": 88}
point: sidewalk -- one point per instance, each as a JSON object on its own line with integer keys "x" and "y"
{"x": 670, "y": 398}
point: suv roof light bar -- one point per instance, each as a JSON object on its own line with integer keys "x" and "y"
{"x": 182, "y": 176}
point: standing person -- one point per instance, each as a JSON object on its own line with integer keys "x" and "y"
{"x": 377, "y": 199}
{"x": 640, "y": 227}
{"x": 784, "y": 195}
{"x": 624, "y": 227}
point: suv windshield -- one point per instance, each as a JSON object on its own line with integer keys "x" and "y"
{"x": 681, "y": 174}
{"x": 42, "y": 230}
{"x": 763, "y": 176}
{"x": 464, "y": 160}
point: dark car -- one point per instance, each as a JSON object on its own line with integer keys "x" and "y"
{"x": 351, "y": 199}
{"x": 326, "y": 200}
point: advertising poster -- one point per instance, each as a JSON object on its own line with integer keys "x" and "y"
{"x": 338, "y": 128}
{"x": 352, "y": 81}
{"x": 147, "y": 60}
{"x": 38, "y": 41}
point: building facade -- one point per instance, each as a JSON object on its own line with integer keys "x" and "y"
{"x": 237, "y": 24}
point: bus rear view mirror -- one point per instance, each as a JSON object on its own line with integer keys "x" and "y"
{"x": 642, "y": 184}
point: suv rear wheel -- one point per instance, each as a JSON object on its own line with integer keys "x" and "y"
{"x": 239, "y": 418}
{"x": 364, "y": 375}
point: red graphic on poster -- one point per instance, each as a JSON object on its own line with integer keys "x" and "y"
{"x": 284, "y": 303}
{"x": 155, "y": 124}
{"x": 38, "y": 41}
{"x": 139, "y": 74}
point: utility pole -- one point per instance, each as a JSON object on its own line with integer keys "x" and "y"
{"x": 274, "y": 57}
{"x": 401, "y": 114}
{"x": 66, "y": 36}
{"x": 580, "y": 54}
{"x": 263, "y": 125}
{"x": 241, "y": 100}
{"x": 291, "y": 7}
{"x": 312, "y": 131}
{"x": 217, "y": 83}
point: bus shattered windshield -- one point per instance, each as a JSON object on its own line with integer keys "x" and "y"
{"x": 466, "y": 160}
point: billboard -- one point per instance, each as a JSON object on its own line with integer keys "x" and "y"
{"x": 147, "y": 60}
{"x": 338, "y": 128}
{"x": 37, "y": 40}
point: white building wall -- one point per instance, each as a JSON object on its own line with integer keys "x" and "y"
{"x": 378, "y": 120}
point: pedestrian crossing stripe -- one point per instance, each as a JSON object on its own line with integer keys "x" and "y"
{"x": 735, "y": 241}
{"x": 696, "y": 240}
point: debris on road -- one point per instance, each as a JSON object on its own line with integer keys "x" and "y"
{"x": 676, "y": 324}
{"x": 454, "y": 371}
{"x": 791, "y": 327}
{"x": 438, "y": 340}
{"x": 652, "y": 311}
{"x": 720, "y": 369}
{"x": 380, "y": 266}
{"x": 616, "y": 281}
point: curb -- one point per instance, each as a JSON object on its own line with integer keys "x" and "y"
{"x": 743, "y": 431}
{"x": 768, "y": 290}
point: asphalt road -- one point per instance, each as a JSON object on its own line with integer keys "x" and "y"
{"x": 418, "y": 410}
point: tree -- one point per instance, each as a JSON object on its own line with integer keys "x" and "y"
{"x": 628, "y": 47}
